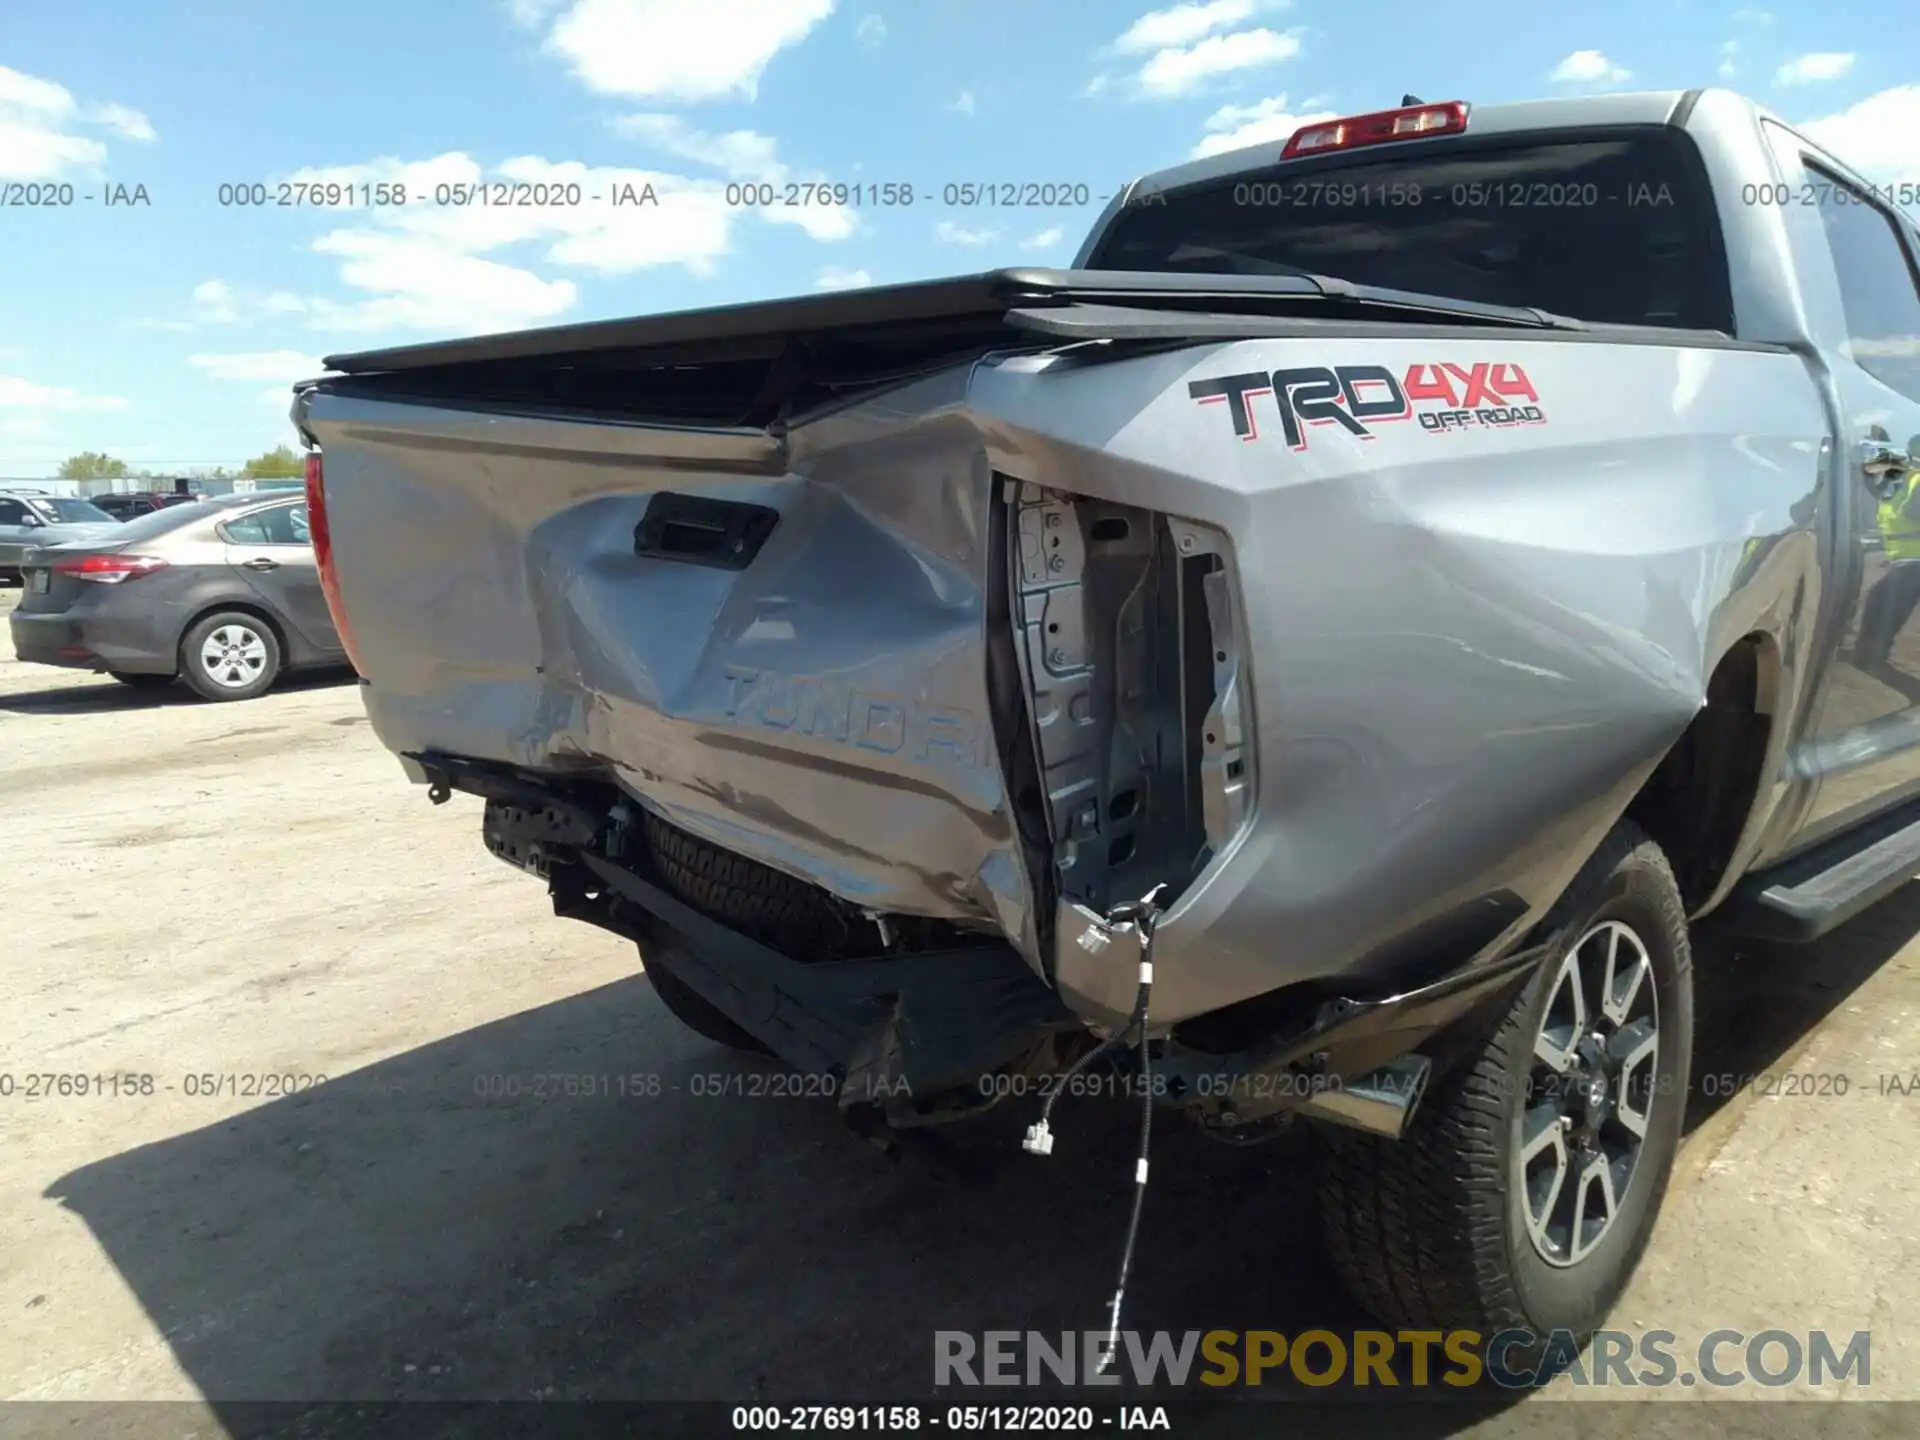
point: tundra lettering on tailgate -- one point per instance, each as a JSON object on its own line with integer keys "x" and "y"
{"x": 1442, "y": 397}
{"x": 806, "y": 705}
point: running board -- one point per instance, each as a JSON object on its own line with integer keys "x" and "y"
{"x": 1812, "y": 894}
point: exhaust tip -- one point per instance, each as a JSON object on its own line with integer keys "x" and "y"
{"x": 1381, "y": 1102}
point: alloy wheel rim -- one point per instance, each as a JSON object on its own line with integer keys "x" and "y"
{"x": 1590, "y": 1092}
{"x": 233, "y": 656}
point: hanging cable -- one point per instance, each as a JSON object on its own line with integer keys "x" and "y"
{"x": 1142, "y": 916}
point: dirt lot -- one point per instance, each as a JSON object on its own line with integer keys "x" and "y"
{"x": 203, "y": 894}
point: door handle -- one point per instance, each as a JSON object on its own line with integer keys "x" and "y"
{"x": 260, "y": 562}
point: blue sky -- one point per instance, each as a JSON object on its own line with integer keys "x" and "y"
{"x": 167, "y": 334}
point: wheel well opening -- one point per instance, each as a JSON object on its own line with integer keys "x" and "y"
{"x": 1696, "y": 803}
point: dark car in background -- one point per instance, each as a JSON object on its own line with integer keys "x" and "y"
{"x": 221, "y": 593}
{"x": 29, "y": 518}
{"x": 125, "y": 505}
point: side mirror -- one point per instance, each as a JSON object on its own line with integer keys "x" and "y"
{"x": 31, "y": 521}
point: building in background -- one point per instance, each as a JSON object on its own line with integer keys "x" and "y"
{"x": 130, "y": 484}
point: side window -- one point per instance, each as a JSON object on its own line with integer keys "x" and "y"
{"x": 282, "y": 525}
{"x": 12, "y": 512}
{"x": 1878, "y": 287}
{"x": 246, "y": 530}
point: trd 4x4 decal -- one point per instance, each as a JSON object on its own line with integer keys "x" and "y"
{"x": 1441, "y": 397}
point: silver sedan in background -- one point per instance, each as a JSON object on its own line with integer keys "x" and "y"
{"x": 223, "y": 594}
{"x": 29, "y": 519}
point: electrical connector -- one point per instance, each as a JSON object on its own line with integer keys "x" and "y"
{"x": 1039, "y": 1139}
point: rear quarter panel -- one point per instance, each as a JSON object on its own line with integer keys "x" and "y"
{"x": 1468, "y": 648}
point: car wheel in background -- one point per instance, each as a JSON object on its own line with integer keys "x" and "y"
{"x": 230, "y": 656}
{"x": 142, "y": 682}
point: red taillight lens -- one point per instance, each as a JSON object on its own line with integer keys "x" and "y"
{"x": 109, "y": 569}
{"x": 323, "y": 554}
{"x": 1411, "y": 123}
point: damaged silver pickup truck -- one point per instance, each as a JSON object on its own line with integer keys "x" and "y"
{"x": 1318, "y": 656}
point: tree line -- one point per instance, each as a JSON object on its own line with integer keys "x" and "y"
{"x": 279, "y": 463}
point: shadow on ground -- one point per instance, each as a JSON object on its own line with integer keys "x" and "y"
{"x": 106, "y": 695}
{"x": 403, "y": 1233}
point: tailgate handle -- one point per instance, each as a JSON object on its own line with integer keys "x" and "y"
{"x": 695, "y": 530}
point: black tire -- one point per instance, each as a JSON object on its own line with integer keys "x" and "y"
{"x": 205, "y": 683}
{"x": 1431, "y": 1231}
{"x": 142, "y": 682}
{"x": 745, "y": 895}
{"x": 691, "y": 1009}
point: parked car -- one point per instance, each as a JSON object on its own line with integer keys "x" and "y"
{"x": 124, "y": 505}
{"x": 28, "y": 518}
{"x": 222, "y": 594}
{"x": 1331, "y": 644}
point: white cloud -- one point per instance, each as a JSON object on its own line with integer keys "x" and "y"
{"x": 949, "y": 233}
{"x": 215, "y": 302}
{"x": 532, "y": 13}
{"x": 871, "y": 30}
{"x": 1045, "y": 239}
{"x": 1181, "y": 25}
{"x": 963, "y": 103}
{"x": 35, "y": 152}
{"x": 1879, "y": 136}
{"x": 20, "y": 91}
{"x": 1752, "y": 16}
{"x": 123, "y": 120}
{"x": 1267, "y": 122}
{"x": 1729, "y": 59}
{"x": 23, "y": 425}
{"x": 738, "y": 154}
{"x": 673, "y": 50}
{"x": 835, "y": 277}
{"x": 19, "y": 394}
{"x": 1589, "y": 67}
{"x": 256, "y": 365}
{"x": 42, "y": 129}
{"x": 416, "y": 283}
{"x": 1811, "y": 68}
{"x": 1170, "y": 73}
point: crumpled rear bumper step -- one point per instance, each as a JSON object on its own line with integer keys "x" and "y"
{"x": 894, "y": 1028}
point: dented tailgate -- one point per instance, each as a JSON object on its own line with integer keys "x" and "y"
{"x": 819, "y": 703}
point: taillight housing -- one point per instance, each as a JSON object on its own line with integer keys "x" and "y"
{"x": 323, "y": 555}
{"x": 108, "y": 569}
{"x": 1410, "y": 122}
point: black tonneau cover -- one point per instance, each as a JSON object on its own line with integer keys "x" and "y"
{"x": 765, "y": 364}
{"x": 965, "y": 302}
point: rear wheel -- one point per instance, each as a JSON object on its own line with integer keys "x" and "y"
{"x": 230, "y": 655}
{"x": 142, "y": 682}
{"x": 690, "y": 1008}
{"x": 1527, "y": 1187}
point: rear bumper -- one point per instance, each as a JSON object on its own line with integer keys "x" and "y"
{"x": 916, "y": 1034}
{"x": 91, "y": 642}
{"x": 896, "y": 1032}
